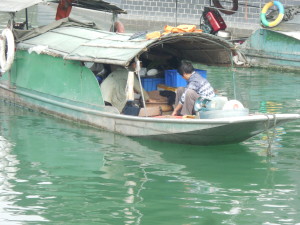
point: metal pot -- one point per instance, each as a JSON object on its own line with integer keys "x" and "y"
{"x": 224, "y": 34}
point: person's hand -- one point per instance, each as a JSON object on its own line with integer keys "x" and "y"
{"x": 150, "y": 100}
{"x": 174, "y": 113}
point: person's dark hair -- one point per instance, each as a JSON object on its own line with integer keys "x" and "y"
{"x": 185, "y": 67}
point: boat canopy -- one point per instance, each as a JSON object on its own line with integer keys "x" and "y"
{"x": 96, "y": 5}
{"x": 77, "y": 41}
{"x": 13, "y": 6}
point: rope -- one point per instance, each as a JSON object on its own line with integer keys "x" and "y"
{"x": 289, "y": 13}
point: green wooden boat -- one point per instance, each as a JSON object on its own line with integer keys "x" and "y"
{"x": 275, "y": 47}
{"x": 48, "y": 74}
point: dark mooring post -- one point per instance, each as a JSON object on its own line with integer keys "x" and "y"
{"x": 26, "y": 16}
{"x": 176, "y": 6}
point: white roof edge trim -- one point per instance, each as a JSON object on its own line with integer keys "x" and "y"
{"x": 12, "y": 6}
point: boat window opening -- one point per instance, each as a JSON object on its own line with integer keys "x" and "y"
{"x": 100, "y": 70}
{"x": 19, "y": 25}
{"x": 23, "y": 19}
{"x": 152, "y": 71}
{"x": 154, "y": 63}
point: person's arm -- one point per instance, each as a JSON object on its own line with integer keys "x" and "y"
{"x": 191, "y": 85}
{"x": 138, "y": 89}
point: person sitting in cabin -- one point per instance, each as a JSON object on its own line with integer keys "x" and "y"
{"x": 118, "y": 27}
{"x": 197, "y": 86}
{"x": 113, "y": 88}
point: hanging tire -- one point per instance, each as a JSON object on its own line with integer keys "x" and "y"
{"x": 277, "y": 21}
{"x": 233, "y": 10}
{"x": 7, "y": 50}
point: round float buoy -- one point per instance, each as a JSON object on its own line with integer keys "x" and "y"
{"x": 274, "y": 23}
{"x": 7, "y": 49}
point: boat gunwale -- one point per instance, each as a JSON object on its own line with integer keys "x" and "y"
{"x": 228, "y": 120}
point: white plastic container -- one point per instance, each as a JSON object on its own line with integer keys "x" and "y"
{"x": 214, "y": 114}
{"x": 221, "y": 108}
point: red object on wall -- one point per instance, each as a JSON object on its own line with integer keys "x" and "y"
{"x": 216, "y": 21}
{"x": 63, "y": 9}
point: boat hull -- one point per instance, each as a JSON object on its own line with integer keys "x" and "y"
{"x": 272, "y": 49}
{"x": 183, "y": 131}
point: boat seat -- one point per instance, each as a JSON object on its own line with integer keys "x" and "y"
{"x": 151, "y": 111}
{"x": 111, "y": 109}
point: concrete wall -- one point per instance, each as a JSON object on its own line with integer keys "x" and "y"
{"x": 154, "y": 14}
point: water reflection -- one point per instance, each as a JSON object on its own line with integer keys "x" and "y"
{"x": 9, "y": 208}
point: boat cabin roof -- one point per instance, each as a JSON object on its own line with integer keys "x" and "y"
{"x": 75, "y": 42}
{"x": 96, "y": 5}
{"x": 12, "y": 6}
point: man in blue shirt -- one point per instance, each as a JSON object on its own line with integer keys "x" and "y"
{"x": 197, "y": 86}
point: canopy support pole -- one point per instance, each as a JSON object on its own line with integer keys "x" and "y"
{"x": 233, "y": 75}
{"x": 138, "y": 69}
{"x": 176, "y": 6}
{"x": 26, "y": 16}
{"x": 114, "y": 19}
{"x": 11, "y": 20}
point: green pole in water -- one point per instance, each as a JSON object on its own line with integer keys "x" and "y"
{"x": 233, "y": 76}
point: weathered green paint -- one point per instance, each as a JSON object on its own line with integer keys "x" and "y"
{"x": 54, "y": 76}
{"x": 272, "y": 49}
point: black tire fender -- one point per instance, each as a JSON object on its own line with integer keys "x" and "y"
{"x": 233, "y": 10}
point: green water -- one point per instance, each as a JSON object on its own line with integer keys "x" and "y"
{"x": 54, "y": 171}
